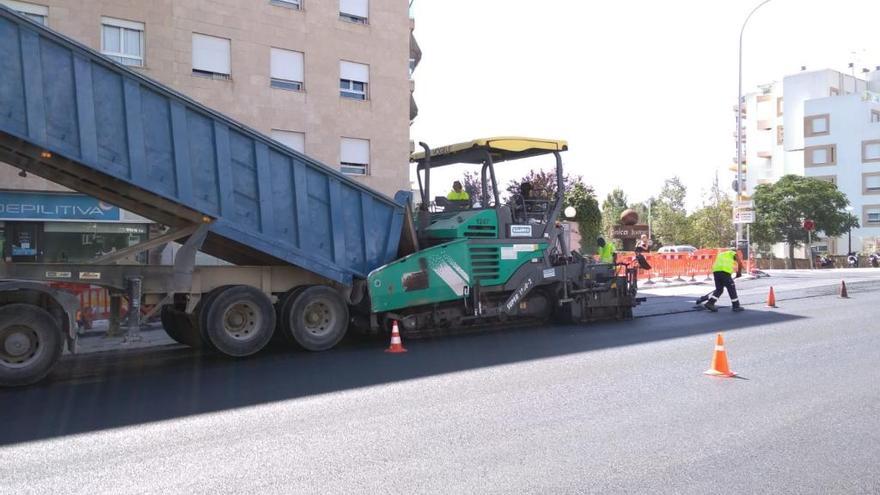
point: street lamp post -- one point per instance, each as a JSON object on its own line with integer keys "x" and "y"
{"x": 849, "y": 209}
{"x": 739, "y": 102}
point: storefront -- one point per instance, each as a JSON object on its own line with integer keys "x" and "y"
{"x": 64, "y": 227}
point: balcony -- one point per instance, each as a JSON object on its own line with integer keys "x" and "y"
{"x": 765, "y": 125}
{"x": 765, "y": 154}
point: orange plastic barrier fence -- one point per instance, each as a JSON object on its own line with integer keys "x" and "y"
{"x": 676, "y": 267}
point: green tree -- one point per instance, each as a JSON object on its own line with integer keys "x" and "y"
{"x": 543, "y": 184}
{"x": 670, "y": 217}
{"x": 781, "y": 208}
{"x": 473, "y": 186}
{"x": 588, "y": 218}
{"x": 711, "y": 225}
{"x": 612, "y": 207}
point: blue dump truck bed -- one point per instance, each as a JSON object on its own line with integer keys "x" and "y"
{"x": 74, "y": 117}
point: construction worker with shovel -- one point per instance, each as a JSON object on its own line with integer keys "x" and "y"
{"x": 725, "y": 263}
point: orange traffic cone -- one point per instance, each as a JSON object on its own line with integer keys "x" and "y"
{"x": 719, "y": 360}
{"x": 771, "y": 298}
{"x": 843, "y": 293}
{"x": 396, "y": 344}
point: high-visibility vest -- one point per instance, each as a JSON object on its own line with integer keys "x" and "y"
{"x": 458, "y": 196}
{"x": 606, "y": 253}
{"x": 725, "y": 262}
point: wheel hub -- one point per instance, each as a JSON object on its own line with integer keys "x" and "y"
{"x": 18, "y": 345}
{"x": 241, "y": 321}
{"x": 318, "y": 318}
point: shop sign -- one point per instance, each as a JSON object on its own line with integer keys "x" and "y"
{"x": 629, "y": 231}
{"x": 42, "y": 206}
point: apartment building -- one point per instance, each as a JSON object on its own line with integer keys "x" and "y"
{"x": 773, "y": 123}
{"x": 777, "y": 132}
{"x": 842, "y": 145}
{"x": 329, "y": 78}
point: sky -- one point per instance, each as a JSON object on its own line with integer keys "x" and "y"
{"x": 642, "y": 90}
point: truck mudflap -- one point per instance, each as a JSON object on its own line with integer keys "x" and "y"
{"x": 69, "y": 303}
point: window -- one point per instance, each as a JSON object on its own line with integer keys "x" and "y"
{"x": 871, "y": 183}
{"x": 123, "y": 41}
{"x": 875, "y": 116}
{"x": 871, "y": 151}
{"x": 353, "y": 80}
{"x": 210, "y": 56}
{"x": 871, "y": 215}
{"x": 820, "y": 155}
{"x": 290, "y": 4}
{"x": 780, "y": 133}
{"x": 832, "y": 91}
{"x": 286, "y": 69}
{"x": 354, "y": 11}
{"x": 354, "y": 156}
{"x": 293, "y": 140}
{"x": 34, "y": 12}
{"x": 817, "y": 125}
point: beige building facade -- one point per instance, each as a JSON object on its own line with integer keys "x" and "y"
{"x": 330, "y": 78}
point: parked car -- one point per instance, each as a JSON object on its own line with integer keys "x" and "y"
{"x": 677, "y": 249}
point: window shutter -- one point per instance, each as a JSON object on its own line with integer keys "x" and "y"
{"x": 287, "y": 65}
{"x": 110, "y": 21}
{"x": 872, "y": 182}
{"x": 291, "y": 139}
{"x": 354, "y": 72}
{"x": 210, "y": 54}
{"x": 354, "y": 7}
{"x": 355, "y": 151}
{"x": 26, "y": 8}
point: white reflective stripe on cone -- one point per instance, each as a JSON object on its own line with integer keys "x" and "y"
{"x": 719, "y": 348}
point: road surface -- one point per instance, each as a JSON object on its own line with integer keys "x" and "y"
{"x": 614, "y": 408}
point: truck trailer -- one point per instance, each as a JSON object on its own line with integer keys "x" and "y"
{"x": 313, "y": 252}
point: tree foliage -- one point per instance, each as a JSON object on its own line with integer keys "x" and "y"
{"x": 711, "y": 225}
{"x": 670, "y": 216}
{"x": 543, "y": 184}
{"x": 473, "y": 186}
{"x": 589, "y": 218}
{"x": 612, "y": 207}
{"x": 781, "y": 208}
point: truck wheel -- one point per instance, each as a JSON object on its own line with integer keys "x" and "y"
{"x": 179, "y": 327}
{"x": 30, "y": 344}
{"x": 282, "y": 307}
{"x": 238, "y": 320}
{"x": 317, "y": 319}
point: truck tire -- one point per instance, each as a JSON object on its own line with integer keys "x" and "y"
{"x": 282, "y": 307}
{"x": 316, "y": 319}
{"x": 179, "y": 327}
{"x": 30, "y": 344}
{"x": 239, "y": 320}
{"x": 200, "y": 314}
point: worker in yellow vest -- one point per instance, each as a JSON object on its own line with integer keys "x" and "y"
{"x": 605, "y": 251}
{"x": 725, "y": 263}
{"x": 458, "y": 193}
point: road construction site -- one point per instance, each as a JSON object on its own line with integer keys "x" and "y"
{"x": 609, "y": 407}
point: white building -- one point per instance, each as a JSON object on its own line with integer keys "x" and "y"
{"x": 842, "y": 145}
{"x": 773, "y": 127}
{"x": 775, "y": 136}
